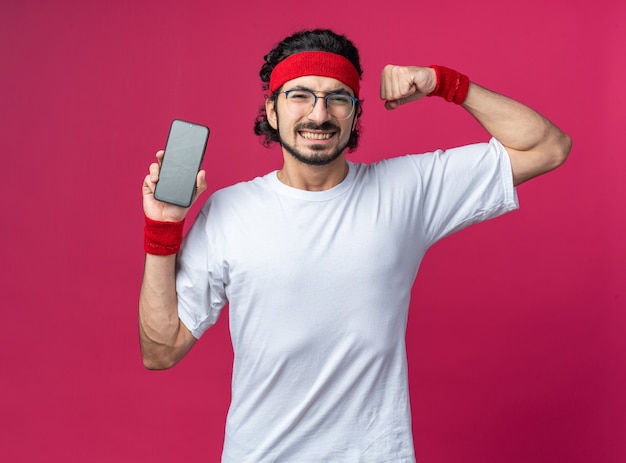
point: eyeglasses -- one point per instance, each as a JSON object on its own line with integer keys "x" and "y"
{"x": 301, "y": 102}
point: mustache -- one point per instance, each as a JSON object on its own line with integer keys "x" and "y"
{"x": 326, "y": 126}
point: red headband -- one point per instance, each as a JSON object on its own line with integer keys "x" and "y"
{"x": 315, "y": 63}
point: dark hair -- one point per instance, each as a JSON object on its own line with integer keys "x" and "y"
{"x": 308, "y": 40}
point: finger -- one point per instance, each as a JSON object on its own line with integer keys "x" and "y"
{"x": 400, "y": 85}
{"x": 159, "y": 156}
{"x": 201, "y": 184}
{"x": 154, "y": 172}
{"x": 383, "y": 82}
{"x": 386, "y": 82}
{"x": 148, "y": 185}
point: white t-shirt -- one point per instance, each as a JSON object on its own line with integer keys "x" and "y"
{"x": 318, "y": 285}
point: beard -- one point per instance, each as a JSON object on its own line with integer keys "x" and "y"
{"x": 316, "y": 158}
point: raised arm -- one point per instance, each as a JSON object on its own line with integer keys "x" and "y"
{"x": 534, "y": 144}
{"x": 164, "y": 339}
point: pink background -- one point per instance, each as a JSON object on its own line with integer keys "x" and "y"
{"x": 516, "y": 334}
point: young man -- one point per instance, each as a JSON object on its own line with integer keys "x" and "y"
{"x": 317, "y": 259}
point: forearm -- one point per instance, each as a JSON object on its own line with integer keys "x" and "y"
{"x": 535, "y": 145}
{"x": 162, "y": 336}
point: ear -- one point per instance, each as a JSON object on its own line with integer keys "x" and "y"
{"x": 270, "y": 110}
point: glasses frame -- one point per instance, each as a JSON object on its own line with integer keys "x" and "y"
{"x": 355, "y": 101}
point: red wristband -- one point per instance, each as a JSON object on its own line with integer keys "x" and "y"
{"x": 451, "y": 85}
{"x": 162, "y": 238}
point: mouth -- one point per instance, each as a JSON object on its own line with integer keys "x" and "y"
{"x": 316, "y": 136}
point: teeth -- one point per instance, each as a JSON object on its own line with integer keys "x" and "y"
{"x": 316, "y": 136}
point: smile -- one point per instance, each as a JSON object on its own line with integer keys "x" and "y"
{"x": 316, "y": 135}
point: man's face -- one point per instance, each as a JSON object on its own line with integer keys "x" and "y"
{"x": 316, "y": 138}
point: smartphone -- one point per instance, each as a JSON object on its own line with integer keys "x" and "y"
{"x": 184, "y": 151}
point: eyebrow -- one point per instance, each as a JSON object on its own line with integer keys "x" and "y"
{"x": 338, "y": 90}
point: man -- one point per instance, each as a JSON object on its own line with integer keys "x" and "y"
{"x": 317, "y": 259}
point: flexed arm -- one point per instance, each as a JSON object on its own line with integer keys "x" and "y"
{"x": 534, "y": 144}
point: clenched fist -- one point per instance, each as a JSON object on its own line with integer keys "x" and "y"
{"x": 403, "y": 84}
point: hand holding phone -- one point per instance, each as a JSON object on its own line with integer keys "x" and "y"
{"x": 184, "y": 151}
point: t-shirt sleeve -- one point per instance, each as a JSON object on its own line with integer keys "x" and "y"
{"x": 199, "y": 278}
{"x": 463, "y": 186}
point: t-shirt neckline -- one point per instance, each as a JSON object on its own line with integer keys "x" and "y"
{"x": 305, "y": 195}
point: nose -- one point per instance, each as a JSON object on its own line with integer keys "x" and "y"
{"x": 319, "y": 113}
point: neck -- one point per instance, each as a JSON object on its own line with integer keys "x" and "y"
{"x": 299, "y": 175}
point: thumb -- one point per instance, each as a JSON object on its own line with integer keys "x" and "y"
{"x": 201, "y": 184}
{"x": 393, "y": 104}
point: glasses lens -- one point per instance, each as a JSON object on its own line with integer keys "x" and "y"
{"x": 340, "y": 106}
{"x": 301, "y": 102}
